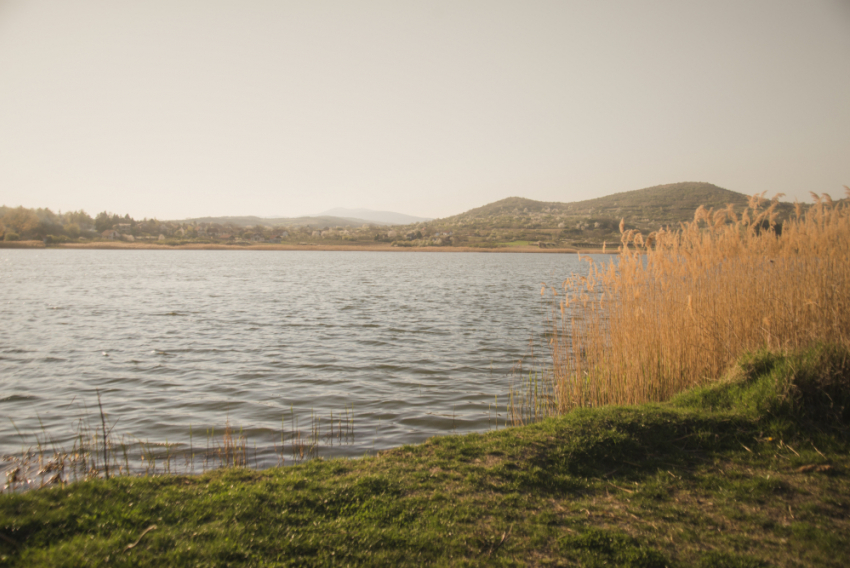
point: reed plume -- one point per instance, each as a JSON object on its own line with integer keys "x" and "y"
{"x": 678, "y": 306}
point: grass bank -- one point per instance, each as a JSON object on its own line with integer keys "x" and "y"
{"x": 751, "y": 471}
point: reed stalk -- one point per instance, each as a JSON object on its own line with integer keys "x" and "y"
{"x": 678, "y": 306}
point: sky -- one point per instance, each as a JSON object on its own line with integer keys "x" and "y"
{"x": 175, "y": 109}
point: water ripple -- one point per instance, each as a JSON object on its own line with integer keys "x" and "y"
{"x": 416, "y": 344}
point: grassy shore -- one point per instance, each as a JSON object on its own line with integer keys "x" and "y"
{"x": 752, "y": 471}
{"x": 378, "y": 247}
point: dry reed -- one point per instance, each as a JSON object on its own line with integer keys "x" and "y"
{"x": 677, "y": 307}
{"x": 96, "y": 452}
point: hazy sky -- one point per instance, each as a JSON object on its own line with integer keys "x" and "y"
{"x": 178, "y": 108}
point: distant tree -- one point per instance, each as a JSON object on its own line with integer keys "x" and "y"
{"x": 22, "y": 221}
{"x": 80, "y": 217}
{"x": 103, "y": 222}
{"x": 72, "y": 230}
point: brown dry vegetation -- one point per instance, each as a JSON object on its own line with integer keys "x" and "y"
{"x": 680, "y": 306}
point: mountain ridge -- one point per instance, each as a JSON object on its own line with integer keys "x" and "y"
{"x": 304, "y": 221}
{"x": 675, "y": 200}
{"x": 382, "y": 217}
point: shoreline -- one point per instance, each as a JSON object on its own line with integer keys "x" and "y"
{"x": 297, "y": 247}
{"x": 727, "y": 474}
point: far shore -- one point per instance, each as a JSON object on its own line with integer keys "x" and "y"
{"x": 380, "y": 247}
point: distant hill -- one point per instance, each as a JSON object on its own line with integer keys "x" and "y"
{"x": 584, "y": 224}
{"x": 251, "y": 221}
{"x": 381, "y": 217}
{"x": 662, "y": 203}
{"x": 338, "y": 217}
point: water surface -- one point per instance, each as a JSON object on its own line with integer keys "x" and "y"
{"x": 416, "y": 344}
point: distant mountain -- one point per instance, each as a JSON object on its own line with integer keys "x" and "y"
{"x": 251, "y": 221}
{"x": 338, "y": 217}
{"x": 382, "y": 217}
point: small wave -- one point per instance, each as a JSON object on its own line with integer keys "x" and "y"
{"x": 18, "y": 398}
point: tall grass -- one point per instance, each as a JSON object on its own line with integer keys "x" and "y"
{"x": 678, "y": 306}
{"x": 96, "y": 451}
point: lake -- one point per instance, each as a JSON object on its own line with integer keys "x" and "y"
{"x": 410, "y": 345}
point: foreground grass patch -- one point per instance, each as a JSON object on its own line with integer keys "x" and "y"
{"x": 750, "y": 472}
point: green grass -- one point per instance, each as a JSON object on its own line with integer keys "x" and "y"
{"x": 748, "y": 472}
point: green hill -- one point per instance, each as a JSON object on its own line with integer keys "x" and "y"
{"x": 589, "y": 223}
{"x": 673, "y": 202}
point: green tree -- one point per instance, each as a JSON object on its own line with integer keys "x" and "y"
{"x": 80, "y": 217}
{"x": 72, "y": 230}
{"x": 22, "y": 221}
{"x": 104, "y": 221}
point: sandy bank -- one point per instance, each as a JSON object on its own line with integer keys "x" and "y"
{"x": 317, "y": 247}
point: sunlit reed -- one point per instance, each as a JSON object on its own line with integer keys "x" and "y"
{"x": 677, "y": 306}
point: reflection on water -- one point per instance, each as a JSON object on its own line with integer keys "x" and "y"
{"x": 412, "y": 344}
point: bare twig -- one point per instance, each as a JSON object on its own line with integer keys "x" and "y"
{"x": 620, "y": 488}
{"x": 144, "y": 532}
{"x": 103, "y": 423}
{"x": 505, "y": 537}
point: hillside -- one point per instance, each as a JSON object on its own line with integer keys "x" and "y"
{"x": 672, "y": 202}
{"x": 584, "y": 224}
